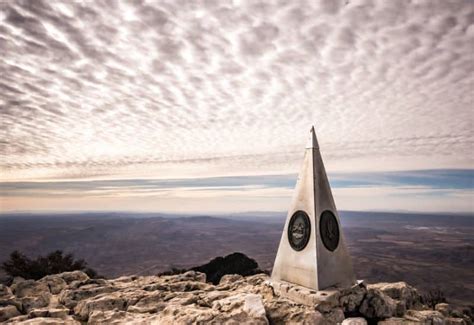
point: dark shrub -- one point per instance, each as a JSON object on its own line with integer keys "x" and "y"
{"x": 433, "y": 297}
{"x": 53, "y": 263}
{"x": 236, "y": 263}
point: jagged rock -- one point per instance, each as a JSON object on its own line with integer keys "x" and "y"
{"x": 120, "y": 317}
{"x": 334, "y": 316}
{"x": 17, "y": 319}
{"x": 283, "y": 311}
{"x": 230, "y": 278}
{"x": 50, "y": 321}
{"x": 425, "y": 316}
{"x": 394, "y": 321}
{"x": 405, "y": 296}
{"x": 8, "y": 312}
{"x": 5, "y": 292}
{"x": 30, "y": 288}
{"x": 32, "y": 302}
{"x": 102, "y": 303}
{"x": 191, "y": 276}
{"x": 186, "y": 298}
{"x": 49, "y": 312}
{"x": 73, "y": 276}
{"x": 351, "y": 299}
{"x": 377, "y": 305}
{"x": 444, "y": 309}
{"x": 70, "y": 298}
{"x": 354, "y": 321}
{"x": 456, "y": 321}
{"x": 54, "y": 282}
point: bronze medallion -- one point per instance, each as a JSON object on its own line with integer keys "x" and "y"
{"x": 329, "y": 230}
{"x": 299, "y": 230}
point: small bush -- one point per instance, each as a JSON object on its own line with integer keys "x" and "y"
{"x": 236, "y": 263}
{"x": 53, "y": 263}
{"x": 433, "y": 297}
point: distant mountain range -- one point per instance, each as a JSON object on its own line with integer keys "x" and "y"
{"x": 428, "y": 251}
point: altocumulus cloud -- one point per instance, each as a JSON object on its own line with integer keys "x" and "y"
{"x": 135, "y": 90}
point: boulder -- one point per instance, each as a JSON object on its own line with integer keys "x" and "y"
{"x": 70, "y": 298}
{"x": 112, "y": 301}
{"x": 5, "y": 292}
{"x": 283, "y": 311}
{"x": 407, "y": 296}
{"x": 54, "y": 282}
{"x": 377, "y": 305}
{"x": 334, "y": 316}
{"x": 31, "y": 302}
{"x": 30, "y": 288}
{"x": 351, "y": 299}
{"x": 244, "y": 307}
{"x": 354, "y": 321}
{"x": 444, "y": 309}
{"x": 8, "y": 312}
{"x": 69, "y": 277}
{"x": 425, "y": 316}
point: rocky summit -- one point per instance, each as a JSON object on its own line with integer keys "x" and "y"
{"x": 74, "y": 298}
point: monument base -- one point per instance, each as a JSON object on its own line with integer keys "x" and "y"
{"x": 322, "y": 299}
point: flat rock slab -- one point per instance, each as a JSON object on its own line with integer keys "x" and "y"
{"x": 305, "y": 296}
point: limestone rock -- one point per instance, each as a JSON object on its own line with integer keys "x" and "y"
{"x": 425, "y": 316}
{"x": 230, "y": 278}
{"x": 192, "y": 276}
{"x": 54, "y": 282}
{"x": 120, "y": 317}
{"x": 351, "y": 299}
{"x": 50, "y": 321}
{"x": 456, "y": 321}
{"x": 49, "y": 312}
{"x": 242, "y": 307}
{"x": 8, "y": 312}
{"x": 30, "y": 288}
{"x": 406, "y": 296}
{"x": 111, "y": 301}
{"x": 354, "y": 321}
{"x": 395, "y": 321}
{"x": 32, "y": 302}
{"x": 73, "y": 276}
{"x": 444, "y": 309}
{"x": 5, "y": 292}
{"x": 70, "y": 298}
{"x": 73, "y": 298}
{"x": 377, "y": 305}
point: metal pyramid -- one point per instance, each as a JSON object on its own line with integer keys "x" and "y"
{"x": 312, "y": 251}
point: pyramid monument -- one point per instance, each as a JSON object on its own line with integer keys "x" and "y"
{"x": 312, "y": 251}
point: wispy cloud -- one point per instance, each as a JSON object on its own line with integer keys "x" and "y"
{"x": 169, "y": 89}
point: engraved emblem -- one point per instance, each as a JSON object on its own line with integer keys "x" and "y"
{"x": 299, "y": 230}
{"x": 329, "y": 230}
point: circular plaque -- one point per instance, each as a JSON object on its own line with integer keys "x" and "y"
{"x": 299, "y": 230}
{"x": 329, "y": 230}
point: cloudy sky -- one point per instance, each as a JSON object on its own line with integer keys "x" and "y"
{"x": 205, "y": 106}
